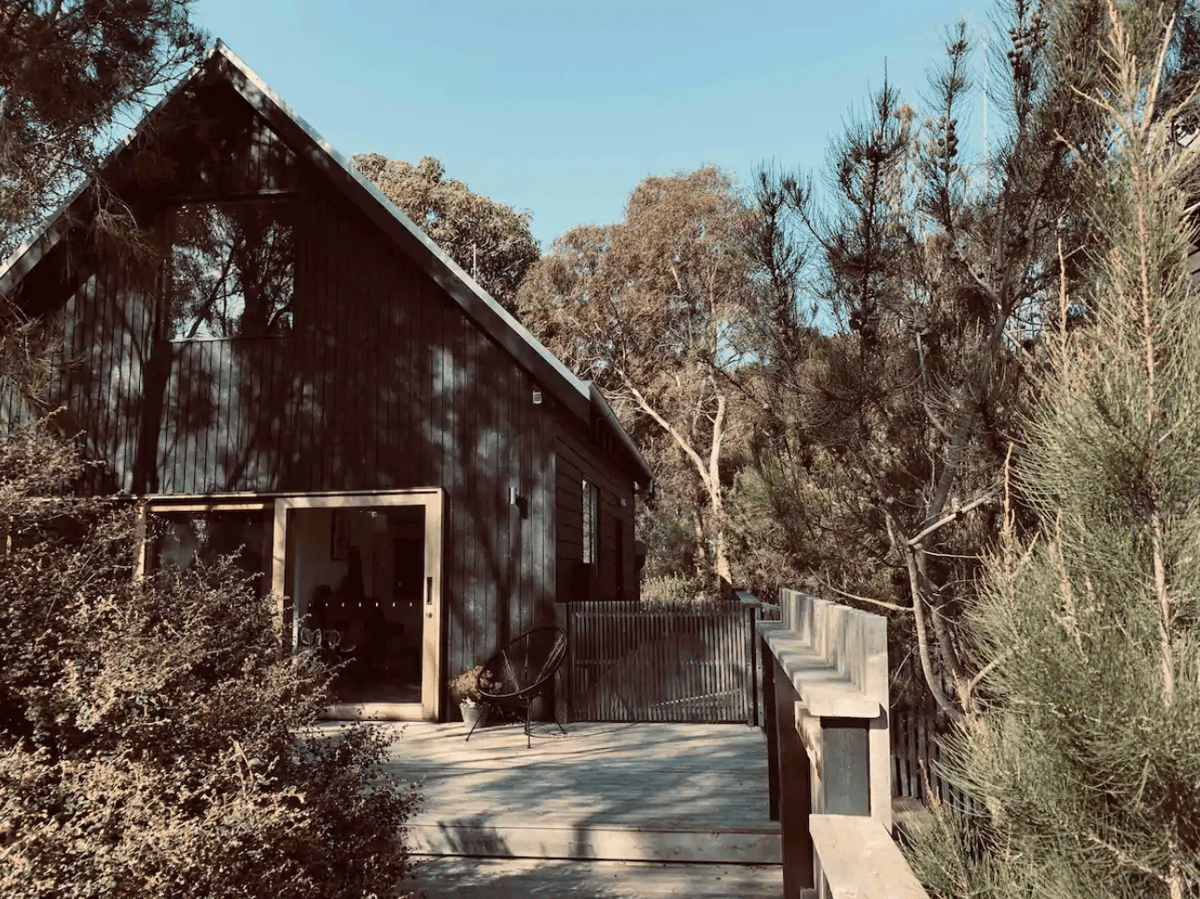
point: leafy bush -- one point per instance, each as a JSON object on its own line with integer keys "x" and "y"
{"x": 670, "y": 540}
{"x": 155, "y": 737}
{"x": 677, "y": 590}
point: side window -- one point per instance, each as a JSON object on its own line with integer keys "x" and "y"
{"x": 179, "y": 538}
{"x": 591, "y": 523}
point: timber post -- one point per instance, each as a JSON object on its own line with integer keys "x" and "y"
{"x": 825, "y": 685}
{"x": 751, "y": 605}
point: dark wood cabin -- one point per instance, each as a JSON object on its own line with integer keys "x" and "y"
{"x": 285, "y": 363}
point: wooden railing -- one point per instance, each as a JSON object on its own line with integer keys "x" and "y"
{"x": 627, "y": 661}
{"x": 826, "y": 700}
{"x": 858, "y": 860}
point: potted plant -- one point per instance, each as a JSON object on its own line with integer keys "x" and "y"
{"x": 464, "y": 689}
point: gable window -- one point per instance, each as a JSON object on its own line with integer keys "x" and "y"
{"x": 232, "y": 270}
{"x": 591, "y": 523}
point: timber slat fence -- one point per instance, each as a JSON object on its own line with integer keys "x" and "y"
{"x": 628, "y": 661}
{"x": 633, "y": 662}
{"x": 917, "y": 758}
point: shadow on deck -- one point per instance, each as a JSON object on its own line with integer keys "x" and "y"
{"x": 606, "y": 804}
{"x": 621, "y": 792}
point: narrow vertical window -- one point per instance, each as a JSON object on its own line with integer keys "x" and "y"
{"x": 591, "y": 523}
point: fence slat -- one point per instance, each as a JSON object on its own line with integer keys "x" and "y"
{"x": 631, "y": 662}
{"x": 917, "y": 759}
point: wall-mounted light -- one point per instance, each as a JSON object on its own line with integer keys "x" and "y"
{"x": 518, "y": 502}
{"x": 537, "y": 397}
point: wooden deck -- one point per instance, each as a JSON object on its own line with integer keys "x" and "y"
{"x": 618, "y": 792}
{"x": 453, "y": 877}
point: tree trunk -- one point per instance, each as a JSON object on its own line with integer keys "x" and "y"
{"x": 720, "y": 550}
{"x": 710, "y": 476}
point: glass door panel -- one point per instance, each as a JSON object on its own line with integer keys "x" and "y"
{"x": 355, "y": 577}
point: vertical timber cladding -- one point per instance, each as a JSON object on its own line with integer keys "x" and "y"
{"x": 104, "y": 328}
{"x": 372, "y": 378}
{"x": 409, "y": 392}
{"x": 171, "y": 416}
{"x": 379, "y": 382}
{"x": 613, "y": 577}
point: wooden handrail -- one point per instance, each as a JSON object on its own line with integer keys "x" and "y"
{"x": 824, "y": 689}
{"x": 748, "y": 599}
{"x": 859, "y": 859}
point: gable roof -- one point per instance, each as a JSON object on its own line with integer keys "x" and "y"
{"x": 581, "y": 397}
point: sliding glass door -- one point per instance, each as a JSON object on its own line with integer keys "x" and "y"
{"x": 356, "y": 578}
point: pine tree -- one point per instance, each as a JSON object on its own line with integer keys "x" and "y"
{"x": 1086, "y": 758}
{"x": 939, "y": 263}
{"x": 74, "y": 74}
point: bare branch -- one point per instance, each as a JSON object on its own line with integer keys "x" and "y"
{"x": 931, "y": 679}
{"x": 954, "y": 515}
{"x": 875, "y": 602}
{"x": 935, "y": 421}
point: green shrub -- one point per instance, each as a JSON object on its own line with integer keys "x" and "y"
{"x": 155, "y": 737}
{"x": 678, "y": 590}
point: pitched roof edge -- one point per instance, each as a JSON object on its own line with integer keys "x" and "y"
{"x": 606, "y": 411}
{"x": 23, "y": 259}
{"x": 474, "y": 300}
{"x": 579, "y": 396}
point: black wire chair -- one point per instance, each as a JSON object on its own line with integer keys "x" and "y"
{"x": 522, "y": 671}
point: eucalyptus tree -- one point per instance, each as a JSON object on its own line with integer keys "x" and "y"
{"x": 488, "y": 239}
{"x": 650, "y": 308}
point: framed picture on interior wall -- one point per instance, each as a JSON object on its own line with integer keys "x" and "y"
{"x": 339, "y": 535}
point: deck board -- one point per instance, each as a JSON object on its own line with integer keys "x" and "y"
{"x": 631, "y": 792}
{"x": 494, "y": 878}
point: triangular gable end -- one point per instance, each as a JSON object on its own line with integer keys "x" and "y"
{"x": 579, "y": 397}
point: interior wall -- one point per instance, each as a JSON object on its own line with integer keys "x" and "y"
{"x": 309, "y": 531}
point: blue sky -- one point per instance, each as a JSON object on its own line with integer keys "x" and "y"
{"x": 561, "y": 108}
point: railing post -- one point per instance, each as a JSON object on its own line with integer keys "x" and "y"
{"x": 794, "y": 790}
{"x": 846, "y": 777}
{"x": 751, "y": 605}
{"x": 828, "y": 715}
{"x": 770, "y": 725}
{"x": 752, "y": 667}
